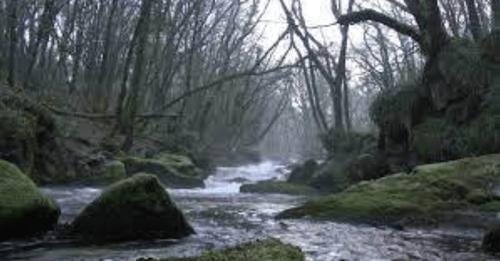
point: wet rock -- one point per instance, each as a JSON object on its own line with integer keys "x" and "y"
{"x": 264, "y": 250}
{"x": 132, "y": 209}
{"x": 114, "y": 171}
{"x": 24, "y": 211}
{"x": 175, "y": 171}
{"x": 491, "y": 240}
{"x": 303, "y": 173}
{"x": 366, "y": 167}
{"x": 277, "y": 187}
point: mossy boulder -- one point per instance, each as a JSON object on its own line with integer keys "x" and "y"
{"x": 277, "y": 187}
{"x": 491, "y": 240}
{"x": 132, "y": 209}
{"x": 302, "y": 174}
{"x": 331, "y": 176}
{"x": 421, "y": 196}
{"x": 366, "y": 167}
{"x": 114, "y": 171}
{"x": 174, "y": 171}
{"x": 24, "y": 211}
{"x": 264, "y": 250}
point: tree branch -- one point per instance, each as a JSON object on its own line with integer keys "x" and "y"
{"x": 372, "y": 15}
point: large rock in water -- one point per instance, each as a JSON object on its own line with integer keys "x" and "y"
{"x": 24, "y": 211}
{"x": 175, "y": 171}
{"x": 132, "y": 209}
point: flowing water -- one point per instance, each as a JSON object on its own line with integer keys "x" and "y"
{"x": 224, "y": 217}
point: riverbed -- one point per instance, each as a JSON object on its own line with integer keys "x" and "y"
{"x": 224, "y": 217}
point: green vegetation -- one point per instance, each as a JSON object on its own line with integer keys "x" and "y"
{"x": 278, "y": 187}
{"x": 421, "y": 196}
{"x": 265, "y": 250}
{"x": 24, "y": 210}
{"x": 134, "y": 208}
{"x": 114, "y": 171}
{"x": 173, "y": 170}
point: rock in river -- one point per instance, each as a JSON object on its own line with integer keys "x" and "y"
{"x": 24, "y": 211}
{"x": 175, "y": 171}
{"x": 132, "y": 209}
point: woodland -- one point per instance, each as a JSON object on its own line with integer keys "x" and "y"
{"x": 147, "y": 120}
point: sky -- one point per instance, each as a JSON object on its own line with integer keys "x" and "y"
{"x": 316, "y": 12}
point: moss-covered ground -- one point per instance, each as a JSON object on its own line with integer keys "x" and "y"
{"x": 265, "y": 250}
{"x": 424, "y": 194}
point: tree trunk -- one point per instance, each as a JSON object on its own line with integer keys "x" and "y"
{"x": 495, "y": 11}
{"x": 46, "y": 24}
{"x": 103, "y": 73}
{"x": 132, "y": 102}
{"x": 12, "y": 23}
{"x": 474, "y": 23}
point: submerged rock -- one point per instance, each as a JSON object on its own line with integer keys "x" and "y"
{"x": 132, "y": 209}
{"x": 24, "y": 211}
{"x": 277, "y": 187}
{"x": 421, "y": 196}
{"x": 174, "y": 171}
{"x": 264, "y": 250}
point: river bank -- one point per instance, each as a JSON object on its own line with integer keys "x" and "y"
{"x": 223, "y": 217}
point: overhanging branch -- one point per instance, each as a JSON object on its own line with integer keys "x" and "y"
{"x": 372, "y": 15}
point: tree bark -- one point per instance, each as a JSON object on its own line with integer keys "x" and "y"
{"x": 474, "y": 23}
{"x": 495, "y": 10}
{"x": 12, "y": 24}
{"x": 132, "y": 102}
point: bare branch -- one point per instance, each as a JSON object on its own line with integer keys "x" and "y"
{"x": 372, "y": 15}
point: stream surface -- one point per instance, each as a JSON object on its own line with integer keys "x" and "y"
{"x": 224, "y": 217}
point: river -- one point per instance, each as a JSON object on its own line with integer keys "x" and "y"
{"x": 224, "y": 217}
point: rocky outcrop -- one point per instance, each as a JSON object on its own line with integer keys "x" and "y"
{"x": 132, "y": 209}
{"x": 24, "y": 211}
{"x": 427, "y": 194}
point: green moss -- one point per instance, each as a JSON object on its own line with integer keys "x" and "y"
{"x": 114, "y": 171}
{"x": 478, "y": 196}
{"x": 134, "y": 208}
{"x": 265, "y": 250}
{"x": 16, "y": 124}
{"x": 181, "y": 163}
{"x": 172, "y": 171}
{"x": 397, "y": 104}
{"x": 426, "y": 193}
{"x": 277, "y": 187}
{"x": 23, "y": 209}
{"x": 492, "y": 206}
